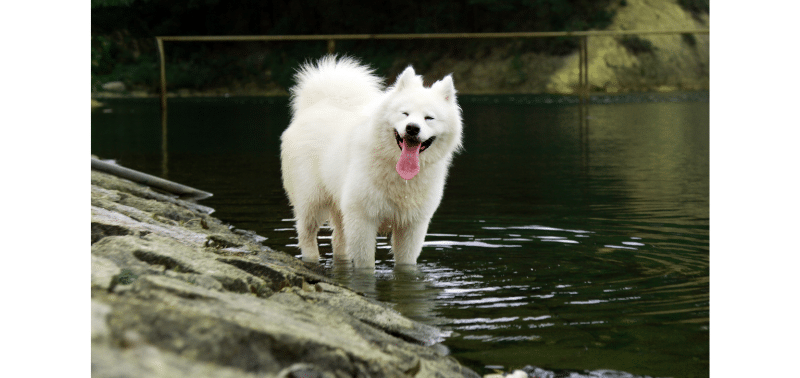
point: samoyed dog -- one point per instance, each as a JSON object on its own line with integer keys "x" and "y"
{"x": 367, "y": 160}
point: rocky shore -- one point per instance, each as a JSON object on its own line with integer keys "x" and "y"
{"x": 176, "y": 292}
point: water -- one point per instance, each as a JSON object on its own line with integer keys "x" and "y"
{"x": 570, "y": 245}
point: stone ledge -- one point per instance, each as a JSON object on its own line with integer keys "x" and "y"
{"x": 178, "y": 293}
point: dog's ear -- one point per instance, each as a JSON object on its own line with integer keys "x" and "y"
{"x": 445, "y": 88}
{"x": 408, "y": 79}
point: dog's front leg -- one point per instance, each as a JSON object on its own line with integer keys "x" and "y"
{"x": 359, "y": 236}
{"x": 407, "y": 242}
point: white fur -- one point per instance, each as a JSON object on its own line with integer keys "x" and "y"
{"x": 339, "y": 153}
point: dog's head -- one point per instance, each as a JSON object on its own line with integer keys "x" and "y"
{"x": 424, "y": 123}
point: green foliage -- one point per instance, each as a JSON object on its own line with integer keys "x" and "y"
{"x": 281, "y": 63}
{"x": 637, "y": 45}
{"x": 123, "y": 31}
{"x": 125, "y": 277}
{"x": 104, "y": 55}
{"x": 694, "y": 6}
{"x": 146, "y": 18}
{"x": 142, "y": 73}
{"x": 689, "y": 39}
{"x": 116, "y": 59}
{"x": 517, "y": 67}
{"x": 111, "y": 3}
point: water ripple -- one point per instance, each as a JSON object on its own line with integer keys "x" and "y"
{"x": 575, "y": 287}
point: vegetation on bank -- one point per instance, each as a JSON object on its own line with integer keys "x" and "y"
{"x": 124, "y": 49}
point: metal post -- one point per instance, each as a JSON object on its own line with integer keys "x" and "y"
{"x": 160, "y": 44}
{"x": 586, "y": 66}
{"x": 580, "y": 70}
{"x": 583, "y": 72}
{"x": 156, "y": 182}
{"x": 164, "y": 170}
{"x": 164, "y": 155}
{"x": 583, "y": 112}
{"x": 331, "y": 46}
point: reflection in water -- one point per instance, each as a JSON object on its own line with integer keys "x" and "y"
{"x": 412, "y": 294}
{"x": 571, "y": 244}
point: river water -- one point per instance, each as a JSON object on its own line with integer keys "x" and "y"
{"x": 571, "y": 239}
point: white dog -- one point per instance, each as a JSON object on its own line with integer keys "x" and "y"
{"x": 367, "y": 160}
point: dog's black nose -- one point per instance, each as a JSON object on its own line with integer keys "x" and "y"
{"x": 412, "y": 129}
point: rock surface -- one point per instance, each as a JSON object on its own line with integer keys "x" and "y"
{"x": 177, "y": 293}
{"x": 674, "y": 62}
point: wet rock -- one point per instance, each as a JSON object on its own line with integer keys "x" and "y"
{"x": 103, "y": 272}
{"x": 154, "y": 254}
{"x": 373, "y": 313}
{"x": 100, "y": 329}
{"x": 177, "y": 293}
{"x": 149, "y": 361}
{"x": 107, "y": 185}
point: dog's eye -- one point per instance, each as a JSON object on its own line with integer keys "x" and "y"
{"x": 428, "y": 118}
{"x": 405, "y": 114}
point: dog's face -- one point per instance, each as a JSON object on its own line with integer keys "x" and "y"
{"x": 423, "y": 123}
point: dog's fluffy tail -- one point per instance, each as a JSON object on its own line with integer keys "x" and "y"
{"x": 343, "y": 81}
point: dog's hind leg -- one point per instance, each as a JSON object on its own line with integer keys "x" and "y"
{"x": 338, "y": 239}
{"x": 308, "y": 224}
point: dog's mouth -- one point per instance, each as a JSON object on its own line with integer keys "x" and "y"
{"x": 412, "y": 141}
{"x": 410, "y": 147}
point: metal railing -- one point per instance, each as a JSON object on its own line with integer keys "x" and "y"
{"x": 332, "y": 38}
{"x": 583, "y": 71}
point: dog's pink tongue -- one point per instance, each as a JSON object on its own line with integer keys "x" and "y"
{"x": 408, "y": 166}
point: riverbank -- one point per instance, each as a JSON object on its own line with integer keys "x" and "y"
{"x": 634, "y": 63}
{"x": 178, "y": 293}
